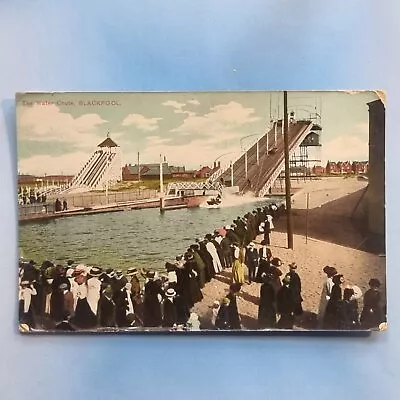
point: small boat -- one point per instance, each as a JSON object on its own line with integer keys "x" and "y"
{"x": 214, "y": 201}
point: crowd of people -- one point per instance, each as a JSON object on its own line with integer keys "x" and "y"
{"x": 78, "y": 297}
{"x": 31, "y": 197}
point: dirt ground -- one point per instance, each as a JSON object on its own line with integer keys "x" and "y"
{"x": 333, "y": 239}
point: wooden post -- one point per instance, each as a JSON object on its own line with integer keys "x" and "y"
{"x": 287, "y": 174}
{"x": 161, "y": 185}
{"x": 231, "y": 173}
{"x": 245, "y": 162}
{"x": 308, "y": 206}
{"x": 138, "y": 165}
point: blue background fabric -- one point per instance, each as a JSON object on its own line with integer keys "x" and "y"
{"x": 50, "y": 45}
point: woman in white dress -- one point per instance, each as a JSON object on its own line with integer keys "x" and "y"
{"x": 326, "y": 293}
{"x": 214, "y": 254}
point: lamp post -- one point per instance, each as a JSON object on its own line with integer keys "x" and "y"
{"x": 287, "y": 173}
{"x": 245, "y": 162}
{"x": 161, "y": 185}
{"x": 231, "y": 167}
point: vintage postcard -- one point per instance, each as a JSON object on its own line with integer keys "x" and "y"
{"x": 202, "y": 211}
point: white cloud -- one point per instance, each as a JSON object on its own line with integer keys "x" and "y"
{"x": 221, "y": 118}
{"x": 174, "y": 104}
{"x": 191, "y": 155}
{"x": 67, "y": 164}
{"x": 194, "y": 102}
{"x": 345, "y": 148}
{"x": 141, "y": 122}
{"x": 46, "y": 123}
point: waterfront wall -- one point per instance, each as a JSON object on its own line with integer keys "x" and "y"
{"x": 91, "y": 199}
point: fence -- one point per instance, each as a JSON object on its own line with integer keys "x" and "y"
{"x": 95, "y": 199}
{"x": 28, "y": 210}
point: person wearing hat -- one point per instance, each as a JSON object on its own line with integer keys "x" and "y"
{"x": 234, "y": 318}
{"x": 238, "y": 267}
{"x": 153, "y": 295}
{"x": 220, "y": 253}
{"x": 222, "y": 320}
{"x": 332, "y": 311}
{"x": 189, "y": 286}
{"x": 267, "y": 304}
{"x": 107, "y": 308}
{"x": 207, "y": 259}
{"x": 227, "y": 250}
{"x": 295, "y": 287}
{"x": 83, "y": 318}
{"x": 200, "y": 265}
{"x": 26, "y": 291}
{"x": 348, "y": 311}
{"x": 133, "y": 273}
{"x": 372, "y": 312}
{"x": 285, "y": 305}
{"x": 251, "y": 261}
{"x": 210, "y": 246}
{"x": 57, "y": 294}
{"x": 94, "y": 286}
{"x": 325, "y": 293}
{"x": 170, "y": 317}
{"x": 231, "y": 235}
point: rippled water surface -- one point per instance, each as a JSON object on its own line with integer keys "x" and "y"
{"x": 141, "y": 238}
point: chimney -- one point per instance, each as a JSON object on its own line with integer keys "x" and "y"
{"x": 215, "y": 165}
{"x": 219, "y": 164}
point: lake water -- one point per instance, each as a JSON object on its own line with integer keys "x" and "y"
{"x": 140, "y": 238}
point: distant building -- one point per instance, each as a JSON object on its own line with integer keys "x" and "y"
{"x": 318, "y": 170}
{"x": 360, "y": 167}
{"x": 147, "y": 172}
{"x": 206, "y": 171}
{"x": 346, "y": 167}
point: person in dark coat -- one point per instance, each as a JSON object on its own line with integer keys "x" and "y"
{"x": 231, "y": 235}
{"x": 58, "y": 206}
{"x": 200, "y": 265}
{"x": 234, "y": 319}
{"x": 207, "y": 259}
{"x": 266, "y": 308}
{"x": 285, "y": 305}
{"x": 57, "y": 295}
{"x": 332, "y": 311}
{"x": 153, "y": 296}
{"x": 227, "y": 251}
{"x": 251, "y": 261}
{"x": 264, "y": 258}
{"x": 64, "y": 325}
{"x": 107, "y": 308}
{"x": 372, "y": 315}
{"x": 194, "y": 294}
{"x": 170, "y": 317}
{"x": 295, "y": 287}
{"x": 222, "y": 322}
{"x": 348, "y": 311}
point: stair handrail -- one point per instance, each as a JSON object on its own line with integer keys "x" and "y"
{"x": 280, "y": 164}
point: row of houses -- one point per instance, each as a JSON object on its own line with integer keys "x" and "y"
{"x": 152, "y": 171}
{"x": 341, "y": 168}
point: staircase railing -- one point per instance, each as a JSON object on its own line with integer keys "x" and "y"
{"x": 280, "y": 165}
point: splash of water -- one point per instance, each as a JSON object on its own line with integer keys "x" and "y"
{"x": 233, "y": 199}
